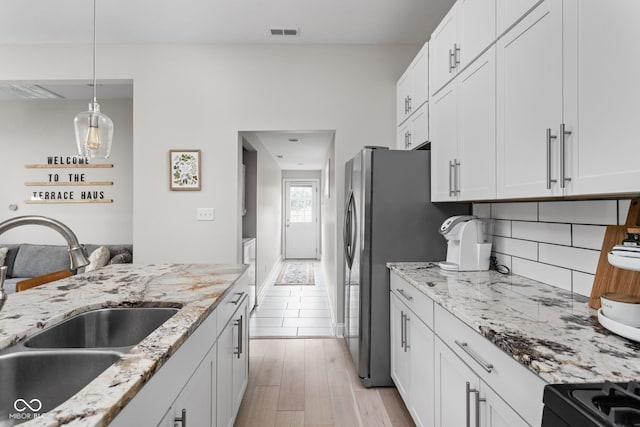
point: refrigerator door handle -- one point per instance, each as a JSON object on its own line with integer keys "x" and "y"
{"x": 347, "y": 230}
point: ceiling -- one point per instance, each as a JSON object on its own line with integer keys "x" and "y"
{"x": 295, "y": 150}
{"x": 221, "y": 21}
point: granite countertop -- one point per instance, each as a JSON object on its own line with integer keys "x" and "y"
{"x": 550, "y": 331}
{"x": 195, "y": 288}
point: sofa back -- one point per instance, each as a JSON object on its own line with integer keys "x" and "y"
{"x": 29, "y": 260}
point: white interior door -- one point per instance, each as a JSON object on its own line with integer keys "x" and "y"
{"x": 301, "y": 219}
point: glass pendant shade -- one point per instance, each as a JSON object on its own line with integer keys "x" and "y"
{"x": 94, "y": 133}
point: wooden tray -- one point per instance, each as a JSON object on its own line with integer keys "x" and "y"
{"x": 609, "y": 278}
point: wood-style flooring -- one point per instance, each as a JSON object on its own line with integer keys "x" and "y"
{"x": 312, "y": 382}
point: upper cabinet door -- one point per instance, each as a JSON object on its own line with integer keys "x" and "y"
{"x": 510, "y": 11}
{"x": 529, "y": 102}
{"x": 602, "y": 68}
{"x": 477, "y": 129}
{"x": 403, "y": 90}
{"x": 442, "y": 55}
{"x": 444, "y": 143}
{"x": 476, "y": 28}
{"x": 419, "y": 79}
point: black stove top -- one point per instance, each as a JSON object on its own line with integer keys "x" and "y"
{"x": 595, "y": 404}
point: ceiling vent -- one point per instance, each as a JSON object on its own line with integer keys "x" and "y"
{"x": 285, "y": 32}
{"x": 31, "y": 91}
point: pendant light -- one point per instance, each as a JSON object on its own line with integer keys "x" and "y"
{"x": 94, "y": 130}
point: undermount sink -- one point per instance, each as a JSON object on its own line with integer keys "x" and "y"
{"x": 34, "y": 382}
{"x": 105, "y": 328}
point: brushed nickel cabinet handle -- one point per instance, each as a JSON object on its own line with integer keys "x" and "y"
{"x": 465, "y": 347}
{"x": 451, "y": 61}
{"x": 563, "y": 134}
{"x": 456, "y": 55}
{"x": 406, "y": 335}
{"x": 451, "y": 190}
{"x": 237, "y": 300}
{"x": 405, "y": 295}
{"x": 456, "y": 176}
{"x": 182, "y": 420}
{"x": 549, "y": 138}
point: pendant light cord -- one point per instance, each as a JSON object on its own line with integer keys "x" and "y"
{"x": 94, "y": 52}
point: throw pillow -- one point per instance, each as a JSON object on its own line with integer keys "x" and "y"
{"x": 98, "y": 258}
{"x": 3, "y": 254}
{"x": 123, "y": 257}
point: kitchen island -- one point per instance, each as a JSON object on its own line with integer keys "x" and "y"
{"x": 196, "y": 289}
{"x": 504, "y": 336}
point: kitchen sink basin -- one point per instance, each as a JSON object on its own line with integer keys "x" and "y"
{"x": 34, "y": 382}
{"x": 105, "y": 328}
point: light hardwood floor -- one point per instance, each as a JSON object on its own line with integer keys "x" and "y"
{"x": 312, "y": 382}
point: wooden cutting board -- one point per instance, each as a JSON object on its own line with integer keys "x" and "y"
{"x": 609, "y": 278}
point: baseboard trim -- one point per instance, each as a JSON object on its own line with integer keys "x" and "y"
{"x": 270, "y": 279}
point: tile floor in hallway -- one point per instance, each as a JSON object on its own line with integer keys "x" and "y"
{"x": 293, "y": 311}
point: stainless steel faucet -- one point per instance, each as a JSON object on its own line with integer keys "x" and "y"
{"x": 77, "y": 253}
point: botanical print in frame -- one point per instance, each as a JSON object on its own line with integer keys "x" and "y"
{"x": 184, "y": 169}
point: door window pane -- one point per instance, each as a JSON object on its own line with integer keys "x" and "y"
{"x": 300, "y": 199}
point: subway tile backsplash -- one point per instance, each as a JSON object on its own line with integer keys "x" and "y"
{"x": 557, "y": 243}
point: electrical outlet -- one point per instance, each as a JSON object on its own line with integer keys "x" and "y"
{"x": 206, "y": 214}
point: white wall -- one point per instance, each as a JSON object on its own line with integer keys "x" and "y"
{"x": 554, "y": 242}
{"x": 32, "y": 130}
{"x": 200, "y": 96}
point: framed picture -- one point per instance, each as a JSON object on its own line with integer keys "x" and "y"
{"x": 184, "y": 170}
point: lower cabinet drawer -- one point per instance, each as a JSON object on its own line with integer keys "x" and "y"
{"x": 418, "y": 302}
{"x": 519, "y": 387}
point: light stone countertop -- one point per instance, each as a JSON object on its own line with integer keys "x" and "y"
{"x": 196, "y": 288}
{"x": 550, "y": 331}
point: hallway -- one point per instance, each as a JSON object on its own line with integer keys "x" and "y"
{"x": 293, "y": 311}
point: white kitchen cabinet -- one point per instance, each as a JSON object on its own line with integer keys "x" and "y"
{"x": 465, "y": 32}
{"x": 194, "y": 403}
{"x": 462, "y": 398}
{"x": 566, "y": 123}
{"x": 232, "y": 365}
{"x": 415, "y": 130}
{"x": 399, "y": 351}
{"x": 463, "y": 131}
{"x": 433, "y": 357}
{"x": 195, "y": 378}
{"x": 511, "y": 11}
{"x": 412, "y": 350}
{"x": 412, "y": 89}
{"x": 444, "y": 143}
{"x": 601, "y": 93}
{"x": 529, "y": 104}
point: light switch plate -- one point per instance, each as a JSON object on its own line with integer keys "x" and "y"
{"x": 206, "y": 214}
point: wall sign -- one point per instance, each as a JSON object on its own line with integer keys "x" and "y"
{"x": 67, "y": 171}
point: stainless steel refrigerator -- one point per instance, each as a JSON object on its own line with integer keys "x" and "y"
{"x": 388, "y": 217}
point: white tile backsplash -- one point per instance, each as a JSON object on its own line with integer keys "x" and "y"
{"x": 580, "y": 212}
{"x": 582, "y": 283}
{"x": 623, "y": 209}
{"x": 555, "y": 242}
{"x": 524, "y": 211}
{"x": 585, "y": 260}
{"x": 542, "y": 232}
{"x": 552, "y": 275}
{"x": 502, "y": 228}
{"x": 482, "y": 210}
{"x": 515, "y": 247}
{"x": 588, "y": 236}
